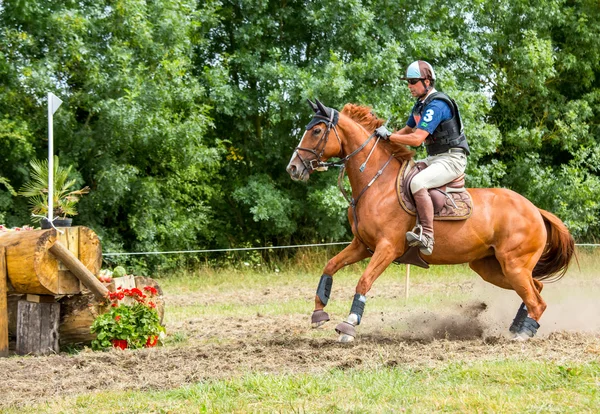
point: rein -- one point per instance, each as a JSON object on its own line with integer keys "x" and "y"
{"x": 320, "y": 165}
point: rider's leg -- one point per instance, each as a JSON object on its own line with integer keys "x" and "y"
{"x": 425, "y": 211}
{"x": 441, "y": 169}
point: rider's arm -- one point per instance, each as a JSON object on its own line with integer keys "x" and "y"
{"x": 405, "y": 130}
{"x": 414, "y": 139}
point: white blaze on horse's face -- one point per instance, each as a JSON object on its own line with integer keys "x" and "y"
{"x": 296, "y": 168}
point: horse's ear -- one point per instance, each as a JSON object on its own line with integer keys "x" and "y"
{"x": 322, "y": 107}
{"x": 313, "y": 105}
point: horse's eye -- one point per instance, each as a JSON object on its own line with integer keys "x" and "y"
{"x": 316, "y": 131}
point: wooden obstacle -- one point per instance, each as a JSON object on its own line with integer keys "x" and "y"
{"x": 3, "y": 305}
{"x": 37, "y": 261}
{"x": 48, "y": 263}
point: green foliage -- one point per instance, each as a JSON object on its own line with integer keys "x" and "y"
{"x": 182, "y": 115}
{"x": 135, "y": 324}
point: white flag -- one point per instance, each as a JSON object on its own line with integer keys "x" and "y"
{"x": 54, "y": 102}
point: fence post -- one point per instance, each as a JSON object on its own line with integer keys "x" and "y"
{"x": 407, "y": 283}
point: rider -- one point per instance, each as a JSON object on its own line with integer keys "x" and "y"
{"x": 434, "y": 121}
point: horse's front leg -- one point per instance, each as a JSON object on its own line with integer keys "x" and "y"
{"x": 353, "y": 253}
{"x": 382, "y": 258}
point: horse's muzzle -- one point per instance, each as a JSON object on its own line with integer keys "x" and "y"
{"x": 297, "y": 170}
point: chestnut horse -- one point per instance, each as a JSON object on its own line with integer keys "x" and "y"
{"x": 507, "y": 240}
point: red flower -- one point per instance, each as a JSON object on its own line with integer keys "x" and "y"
{"x": 117, "y": 318}
{"x": 151, "y": 289}
{"x": 152, "y": 304}
{"x": 114, "y": 305}
{"x": 136, "y": 291}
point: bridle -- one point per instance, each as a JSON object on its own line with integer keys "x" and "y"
{"x": 316, "y": 164}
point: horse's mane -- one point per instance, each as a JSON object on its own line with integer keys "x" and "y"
{"x": 365, "y": 116}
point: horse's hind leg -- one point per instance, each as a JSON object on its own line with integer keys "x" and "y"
{"x": 522, "y": 314}
{"x": 491, "y": 271}
{"x": 353, "y": 253}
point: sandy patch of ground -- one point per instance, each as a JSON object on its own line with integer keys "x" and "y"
{"x": 228, "y": 347}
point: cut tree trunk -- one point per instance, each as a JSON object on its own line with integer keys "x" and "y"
{"x": 33, "y": 269}
{"x": 37, "y": 328}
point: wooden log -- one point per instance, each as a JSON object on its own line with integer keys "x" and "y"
{"x": 78, "y": 269}
{"x": 32, "y": 269}
{"x": 37, "y": 328}
{"x": 3, "y": 305}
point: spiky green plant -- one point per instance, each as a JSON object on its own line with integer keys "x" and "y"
{"x": 65, "y": 199}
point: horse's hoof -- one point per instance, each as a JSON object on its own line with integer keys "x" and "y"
{"x": 346, "y": 331}
{"x": 343, "y": 338}
{"x": 526, "y": 330}
{"x": 318, "y": 318}
{"x": 520, "y": 338}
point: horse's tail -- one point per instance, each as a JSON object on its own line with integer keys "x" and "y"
{"x": 559, "y": 250}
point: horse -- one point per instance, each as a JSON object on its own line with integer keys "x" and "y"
{"x": 507, "y": 240}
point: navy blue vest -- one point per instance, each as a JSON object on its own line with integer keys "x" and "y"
{"x": 449, "y": 133}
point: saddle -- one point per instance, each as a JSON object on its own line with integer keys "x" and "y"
{"x": 451, "y": 201}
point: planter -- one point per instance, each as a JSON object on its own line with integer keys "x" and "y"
{"x": 151, "y": 342}
{"x": 122, "y": 343}
{"x": 119, "y": 343}
{"x": 58, "y": 222}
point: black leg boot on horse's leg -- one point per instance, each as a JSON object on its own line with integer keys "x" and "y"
{"x": 319, "y": 317}
{"x": 346, "y": 329}
{"x": 519, "y": 319}
{"x": 523, "y": 327}
{"x": 424, "y": 206}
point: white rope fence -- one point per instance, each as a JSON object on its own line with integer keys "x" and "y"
{"x": 240, "y": 249}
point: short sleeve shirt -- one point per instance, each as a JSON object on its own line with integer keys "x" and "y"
{"x": 433, "y": 114}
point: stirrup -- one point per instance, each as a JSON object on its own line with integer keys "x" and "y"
{"x": 414, "y": 237}
{"x": 423, "y": 241}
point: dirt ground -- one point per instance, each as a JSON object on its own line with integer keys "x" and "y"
{"x": 225, "y": 347}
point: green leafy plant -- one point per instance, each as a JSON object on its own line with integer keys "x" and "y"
{"x": 138, "y": 324}
{"x": 65, "y": 198}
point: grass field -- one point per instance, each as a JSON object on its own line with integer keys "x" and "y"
{"x": 239, "y": 341}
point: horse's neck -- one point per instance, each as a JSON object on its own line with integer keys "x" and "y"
{"x": 353, "y": 137}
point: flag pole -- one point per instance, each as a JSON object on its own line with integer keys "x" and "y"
{"x": 50, "y": 160}
{"x": 53, "y": 104}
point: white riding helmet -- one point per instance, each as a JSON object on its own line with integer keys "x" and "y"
{"x": 420, "y": 69}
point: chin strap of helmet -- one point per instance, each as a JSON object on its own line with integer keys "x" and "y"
{"x": 427, "y": 88}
